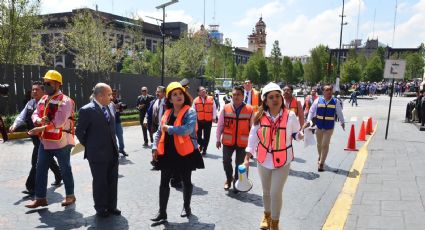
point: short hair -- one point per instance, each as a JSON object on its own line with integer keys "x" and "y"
{"x": 38, "y": 83}
{"x": 161, "y": 88}
{"x": 290, "y": 87}
{"x": 314, "y": 88}
{"x": 199, "y": 88}
{"x": 99, "y": 88}
{"x": 114, "y": 90}
{"x": 239, "y": 88}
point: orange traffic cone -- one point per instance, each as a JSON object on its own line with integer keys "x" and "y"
{"x": 351, "y": 145}
{"x": 369, "y": 129}
{"x": 362, "y": 134}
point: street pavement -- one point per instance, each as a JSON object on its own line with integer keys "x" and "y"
{"x": 389, "y": 195}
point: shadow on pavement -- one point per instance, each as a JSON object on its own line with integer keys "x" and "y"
{"x": 197, "y": 191}
{"x": 212, "y": 156}
{"x": 343, "y": 172}
{"x": 247, "y": 198}
{"x": 192, "y": 224}
{"x": 305, "y": 175}
{"x": 299, "y": 160}
{"x": 23, "y": 199}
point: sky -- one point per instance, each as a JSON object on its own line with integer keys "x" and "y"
{"x": 298, "y": 25}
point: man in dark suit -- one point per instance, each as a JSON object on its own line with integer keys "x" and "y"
{"x": 143, "y": 102}
{"x": 96, "y": 132}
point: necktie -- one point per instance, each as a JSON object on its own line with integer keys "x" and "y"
{"x": 105, "y": 112}
{"x": 246, "y": 98}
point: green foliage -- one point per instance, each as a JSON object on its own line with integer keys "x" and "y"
{"x": 18, "y": 22}
{"x": 315, "y": 68}
{"x": 275, "y": 61}
{"x": 263, "y": 71}
{"x": 287, "y": 71}
{"x": 240, "y": 72}
{"x": 374, "y": 70}
{"x": 350, "y": 71}
{"x": 256, "y": 69}
{"x": 90, "y": 39}
{"x": 414, "y": 66}
{"x": 298, "y": 71}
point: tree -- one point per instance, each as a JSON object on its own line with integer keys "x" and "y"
{"x": 250, "y": 72}
{"x": 256, "y": 69}
{"x": 89, "y": 38}
{"x": 275, "y": 61}
{"x": 298, "y": 71}
{"x": 315, "y": 70}
{"x": 414, "y": 66}
{"x": 374, "y": 70}
{"x": 215, "y": 64}
{"x": 191, "y": 54}
{"x": 263, "y": 71}
{"x": 240, "y": 72}
{"x": 18, "y": 22}
{"x": 287, "y": 71}
{"x": 351, "y": 71}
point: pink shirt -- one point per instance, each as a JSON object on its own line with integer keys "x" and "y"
{"x": 61, "y": 120}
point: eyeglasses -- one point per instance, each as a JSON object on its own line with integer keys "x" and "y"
{"x": 47, "y": 84}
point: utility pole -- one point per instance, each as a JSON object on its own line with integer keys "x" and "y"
{"x": 338, "y": 70}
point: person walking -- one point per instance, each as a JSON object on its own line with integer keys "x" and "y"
{"x": 291, "y": 102}
{"x": 54, "y": 121}
{"x": 207, "y": 113}
{"x": 175, "y": 148}
{"x": 233, "y": 128}
{"x": 270, "y": 138}
{"x": 24, "y": 117}
{"x": 309, "y": 101}
{"x": 117, "y": 107}
{"x": 143, "y": 102}
{"x": 322, "y": 113}
{"x": 96, "y": 132}
{"x": 251, "y": 96}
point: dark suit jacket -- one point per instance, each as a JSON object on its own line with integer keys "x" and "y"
{"x": 96, "y": 134}
{"x": 144, "y": 101}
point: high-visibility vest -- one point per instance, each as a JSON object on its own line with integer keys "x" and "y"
{"x": 308, "y": 102}
{"x": 183, "y": 144}
{"x": 255, "y": 100}
{"x": 293, "y": 106}
{"x": 236, "y": 127}
{"x": 204, "y": 110}
{"x": 326, "y": 113}
{"x": 272, "y": 136}
{"x": 48, "y": 107}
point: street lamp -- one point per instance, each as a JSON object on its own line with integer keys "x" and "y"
{"x": 163, "y": 35}
{"x": 339, "y": 50}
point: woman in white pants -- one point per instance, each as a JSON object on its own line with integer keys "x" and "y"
{"x": 270, "y": 138}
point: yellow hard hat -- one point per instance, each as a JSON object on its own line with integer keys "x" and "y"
{"x": 172, "y": 86}
{"x": 53, "y": 75}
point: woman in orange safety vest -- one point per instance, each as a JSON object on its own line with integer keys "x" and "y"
{"x": 271, "y": 138}
{"x": 175, "y": 147}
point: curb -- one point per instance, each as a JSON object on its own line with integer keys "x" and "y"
{"x": 342, "y": 206}
{"x": 22, "y": 135}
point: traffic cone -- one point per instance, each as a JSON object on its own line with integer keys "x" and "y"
{"x": 369, "y": 129}
{"x": 362, "y": 134}
{"x": 351, "y": 145}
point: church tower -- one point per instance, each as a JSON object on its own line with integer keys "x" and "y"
{"x": 257, "y": 40}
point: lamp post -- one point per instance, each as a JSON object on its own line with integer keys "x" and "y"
{"x": 339, "y": 50}
{"x": 163, "y": 35}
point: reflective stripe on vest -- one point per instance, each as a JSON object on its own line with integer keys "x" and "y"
{"x": 326, "y": 114}
{"x": 272, "y": 138}
{"x": 255, "y": 100}
{"x": 236, "y": 128}
{"x": 183, "y": 144}
{"x": 204, "y": 110}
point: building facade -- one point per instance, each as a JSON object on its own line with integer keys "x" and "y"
{"x": 257, "y": 40}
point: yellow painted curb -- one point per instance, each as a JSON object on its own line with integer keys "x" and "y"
{"x": 339, "y": 212}
{"x": 130, "y": 123}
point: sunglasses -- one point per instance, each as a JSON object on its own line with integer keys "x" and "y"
{"x": 47, "y": 84}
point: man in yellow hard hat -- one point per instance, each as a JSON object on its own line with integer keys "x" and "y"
{"x": 54, "y": 121}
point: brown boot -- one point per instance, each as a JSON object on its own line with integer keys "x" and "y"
{"x": 68, "y": 200}
{"x": 274, "y": 225}
{"x": 266, "y": 221}
{"x": 37, "y": 203}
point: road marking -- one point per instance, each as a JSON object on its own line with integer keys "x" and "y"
{"x": 339, "y": 212}
{"x": 353, "y": 119}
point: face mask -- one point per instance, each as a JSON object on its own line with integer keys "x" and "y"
{"x": 49, "y": 90}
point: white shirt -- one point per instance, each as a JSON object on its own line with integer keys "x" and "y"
{"x": 20, "y": 120}
{"x": 292, "y": 126}
{"x": 248, "y": 94}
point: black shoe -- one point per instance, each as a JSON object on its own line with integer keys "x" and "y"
{"x": 186, "y": 212}
{"x": 204, "y": 152}
{"x": 145, "y": 145}
{"x": 160, "y": 217}
{"x": 124, "y": 153}
{"x": 115, "y": 211}
{"x": 57, "y": 183}
{"x": 29, "y": 192}
{"x": 235, "y": 191}
{"x": 175, "y": 183}
{"x": 103, "y": 213}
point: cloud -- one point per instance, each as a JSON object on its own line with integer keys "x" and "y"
{"x": 267, "y": 11}
{"x": 55, "y": 6}
{"x": 170, "y": 16}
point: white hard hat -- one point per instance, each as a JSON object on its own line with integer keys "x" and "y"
{"x": 270, "y": 87}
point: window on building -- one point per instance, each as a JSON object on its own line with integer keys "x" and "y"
{"x": 149, "y": 44}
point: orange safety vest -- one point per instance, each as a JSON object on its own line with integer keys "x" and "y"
{"x": 272, "y": 138}
{"x": 49, "y": 108}
{"x": 204, "y": 110}
{"x": 294, "y": 105}
{"x": 308, "y": 102}
{"x": 183, "y": 144}
{"x": 255, "y": 100}
{"x": 236, "y": 127}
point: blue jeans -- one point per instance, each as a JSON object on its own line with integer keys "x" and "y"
{"x": 63, "y": 156}
{"x": 119, "y": 132}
